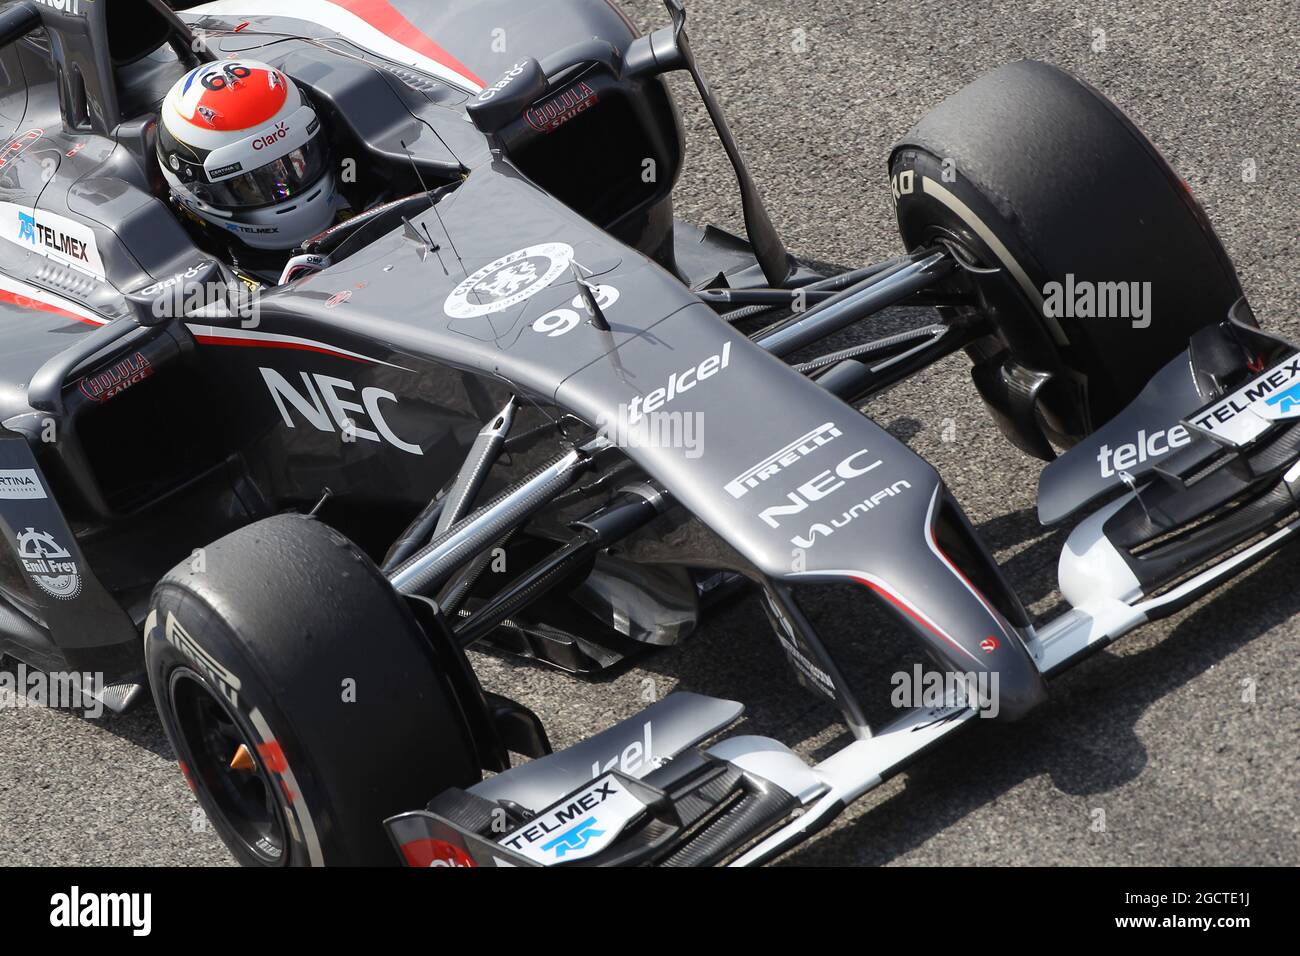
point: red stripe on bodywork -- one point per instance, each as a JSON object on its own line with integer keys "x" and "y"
{"x": 262, "y": 344}
{"x": 387, "y": 19}
{"x": 902, "y": 606}
{"x": 27, "y": 302}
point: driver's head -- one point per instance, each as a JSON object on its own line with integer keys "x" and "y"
{"x": 242, "y": 150}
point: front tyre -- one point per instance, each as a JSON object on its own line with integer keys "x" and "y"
{"x": 304, "y": 702}
{"x": 1035, "y": 174}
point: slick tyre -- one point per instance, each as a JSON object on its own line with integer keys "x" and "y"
{"x": 304, "y": 702}
{"x": 1033, "y": 173}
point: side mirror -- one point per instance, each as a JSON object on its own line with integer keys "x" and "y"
{"x": 506, "y": 99}
{"x": 204, "y": 283}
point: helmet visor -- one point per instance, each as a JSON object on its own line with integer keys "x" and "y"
{"x": 278, "y": 181}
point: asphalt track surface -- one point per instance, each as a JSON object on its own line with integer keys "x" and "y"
{"x": 1146, "y": 753}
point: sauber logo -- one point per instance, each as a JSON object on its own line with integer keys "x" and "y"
{"x": 271, "y": 138}
{"x": 325, "y": 410}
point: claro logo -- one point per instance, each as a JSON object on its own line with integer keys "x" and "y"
{"x": 271, "y": 138}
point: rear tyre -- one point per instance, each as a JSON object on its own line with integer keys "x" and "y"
{"x": 1034, "y": 172}
{"x": 303, "y": 700}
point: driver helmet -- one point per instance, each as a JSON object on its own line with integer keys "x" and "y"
{"x": 241, "y": 149}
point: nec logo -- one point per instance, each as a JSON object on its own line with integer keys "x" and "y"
{"x": 819, "y": 487}
{"x": 324, "y": 409}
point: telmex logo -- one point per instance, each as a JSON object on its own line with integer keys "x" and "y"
{"x": 1225, "y": 420}
{"x": 31, "y": 230}
{"x": 800, "y": 448}
{"x": 580, "y": 825}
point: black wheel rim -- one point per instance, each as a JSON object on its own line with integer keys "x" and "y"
{"x": 244, "y": 799}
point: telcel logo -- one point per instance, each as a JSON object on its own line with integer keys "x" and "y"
{"x": 1147, "y": 446}
{"x": 679, "y": 382}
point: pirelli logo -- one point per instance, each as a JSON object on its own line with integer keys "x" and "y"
{"x": 783, "y": 458}
{"x": 180, "y": 638}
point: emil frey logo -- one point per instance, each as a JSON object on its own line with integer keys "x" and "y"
{"x": 49, "y": 564}
{"x": 574, "y": 839}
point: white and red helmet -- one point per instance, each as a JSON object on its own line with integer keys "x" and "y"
{"x": 241, "y": 148}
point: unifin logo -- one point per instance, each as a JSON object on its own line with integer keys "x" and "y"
{"x": 1146, "y": 447}
{"x": 823, "y": 530}
{"x": 800, "y": 448}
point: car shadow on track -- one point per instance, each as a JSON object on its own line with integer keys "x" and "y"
{"x": 1085, "y": 739}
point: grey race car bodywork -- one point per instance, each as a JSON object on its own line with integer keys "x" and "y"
{"x": 360, "y": 388}
{"x": 395, "y": 319}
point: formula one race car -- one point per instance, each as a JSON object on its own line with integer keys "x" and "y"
{"x": 325, "y": 359}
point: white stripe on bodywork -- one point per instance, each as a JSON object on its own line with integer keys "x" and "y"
{"x": 967, "y": 215}
{"x": 346, "y": 24}
{"x": 273, "y": 338}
